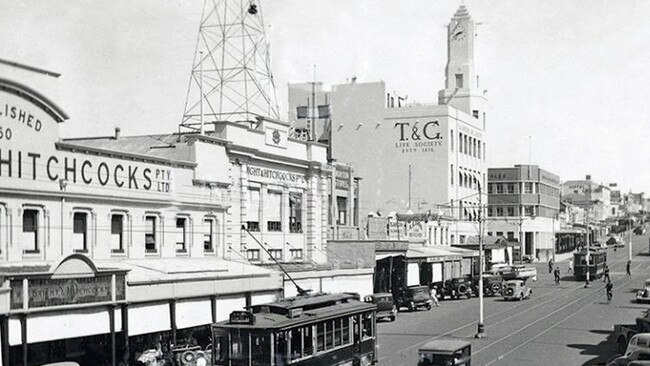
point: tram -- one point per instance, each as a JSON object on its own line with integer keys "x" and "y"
{"x": 319, "y": 329}
{"x": 597, "y": 263}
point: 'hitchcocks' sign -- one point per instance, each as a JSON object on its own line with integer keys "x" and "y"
{"x": 28, "y": 137}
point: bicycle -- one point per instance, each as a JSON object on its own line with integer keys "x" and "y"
{"x": 609, "y": 296}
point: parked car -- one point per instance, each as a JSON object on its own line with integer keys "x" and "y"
{"x": 492, "y": 284}
{"x": 638, "y": 349}
{"x": 443, "y": 352}
{"x": 516, "y": 290}
{"x": 456, "y": 288}
{"x": 413, "y": 297}
{"x": 639, "y": 230}
{"x": 385, "y": 305}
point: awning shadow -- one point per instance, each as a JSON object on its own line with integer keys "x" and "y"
{"x": 602, "y": 352}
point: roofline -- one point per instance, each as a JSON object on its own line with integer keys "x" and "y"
{"x": 29, "y": 68}
{"x": 23, "y": 91}
{"x": 154, "y": 159}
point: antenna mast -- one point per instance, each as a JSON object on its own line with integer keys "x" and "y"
{"x": 231, "y": 76}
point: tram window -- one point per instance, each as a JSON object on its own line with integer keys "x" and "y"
{"x": 296, "y": 344}
{"x": 346, "y": 330}
{"x": 329, "y": 334}
{"x": 308, "y": 340}
{"x": 320, "y": 337}
{"x": 221, "y": 347}
{"x": 239, "y": 346}
{"x": 337, "y": 332}
{"x": 366, "y": 325}
{"x": 260, "y": 349}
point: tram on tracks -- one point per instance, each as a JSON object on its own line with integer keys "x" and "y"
{"x": 597, "y": 263}
{"x": 319, "y": 329}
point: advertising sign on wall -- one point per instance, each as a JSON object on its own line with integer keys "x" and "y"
{"x": 417, "y": 136}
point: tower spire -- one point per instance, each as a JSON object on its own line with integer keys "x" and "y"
{"x": 231, "y": 77}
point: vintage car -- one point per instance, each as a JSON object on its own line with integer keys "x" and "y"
{"x": 638, "y": 350}
{"x": 644, "y": 295}
{"x": 444, "y": 352}
{"x": 516, "y": 290}
{"x": 385, "y": 305}
{"x": 413, "y": 297}
{"x": 456, "y": 288}
{"x": 492, "y": 284}
{"x": 639, "y": 230}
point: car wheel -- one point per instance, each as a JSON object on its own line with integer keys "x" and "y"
{"x": 392, "y": 318}
{"x": 412, "y": 306}
{"x": 428, "y": 306}
{"x": 469, "y": 295}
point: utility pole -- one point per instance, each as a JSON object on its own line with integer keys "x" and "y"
{"x": 481, "y": 328}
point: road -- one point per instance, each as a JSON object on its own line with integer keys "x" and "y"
{"x": 564, "y": 324}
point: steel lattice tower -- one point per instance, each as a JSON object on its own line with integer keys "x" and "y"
{"x": 231, "y": 76}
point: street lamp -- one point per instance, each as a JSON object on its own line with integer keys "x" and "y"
{"x": 587, "y": 285}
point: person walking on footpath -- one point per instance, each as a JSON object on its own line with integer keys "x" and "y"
{"x": 550, "y": 265}
{"x": 570, "y": 265}
{"x": 606, "y": 274}
{"x": 556, "y": 273}
{"x": 627, "y": 268}
{"x": 434, "y": 295}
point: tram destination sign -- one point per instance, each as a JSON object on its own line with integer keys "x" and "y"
{"x": 242, "y": 317}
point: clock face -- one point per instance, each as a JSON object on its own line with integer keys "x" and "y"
{"x": 458, "y": 33}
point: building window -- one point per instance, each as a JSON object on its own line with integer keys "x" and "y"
{"x": 117, "y": 233}
{"x": 296, "y": 254}
{"x": 460, "y": 142}
{"x": 80, "y": 232}
{"x": 208, "y": 235}
{"x": 30, "y": 231}
{"x": 475, "y": 114}
{"x": 181, "y": 234}
{"x": 489, "y": 188}
{"x": 479, "y": 149}
{"x": 489, "y": 211}
{"x": 342, "y": 206}
{"x": 462, "y": 239}
{"x": 528, "y": 187}
{"x": 295, "y": 212}
{"x": 499, "y": 188}
{"x": 529, "y": 210}
{"x": 150, "y": 234}
{"x": 451, "y": 175}
{"x": 253, "y": 214}
{"x": 459, "y": 81}
{"x": 451, "y": 140}
{"x": 273, "y": 211}
{"x": 511, "y": 236}
{"x": 511, "y": 211}
{"x": 499, "y": 233}
{"x": 499, "y": 211}
{"x": 511, "y": 188}
{"x": 465, "y": 144}
{"x": 275, "y": 254}
{"x": 253, "y": 254}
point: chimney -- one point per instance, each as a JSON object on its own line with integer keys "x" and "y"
{"x": 117, "y": 133}
{"x": 588, "y": 177}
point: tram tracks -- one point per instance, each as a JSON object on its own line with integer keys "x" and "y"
{"x": 520, "y": 309}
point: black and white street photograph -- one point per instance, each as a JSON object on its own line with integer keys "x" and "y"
{"x": 324, "y": 183}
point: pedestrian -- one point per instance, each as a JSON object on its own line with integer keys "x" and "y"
{"x": 556, "y": 273}
{"x": 627, "y": 268}
{"x": 550, "y": 265}
{"x": 570, "y": 265}
{"x": 434, "y": 295}
{"x": 606, "y": 274}
{"x": 608, "y": 289}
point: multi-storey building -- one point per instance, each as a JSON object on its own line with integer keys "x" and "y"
{"x": 523, "y": 205}
{"x": 112, "y": 245}
{"x": 415, "y": 157}
{"x": 594, "y": 197}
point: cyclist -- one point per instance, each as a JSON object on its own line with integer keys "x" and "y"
{"x": 556, "y": 273}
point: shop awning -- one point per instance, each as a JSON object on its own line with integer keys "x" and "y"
{"x": 432, "y": 254}
{"x": 380, "y": 256}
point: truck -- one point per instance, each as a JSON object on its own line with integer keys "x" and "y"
{"x": 623, "y": 332}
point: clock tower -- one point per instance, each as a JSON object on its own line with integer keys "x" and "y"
{"x": 462, "y": 88}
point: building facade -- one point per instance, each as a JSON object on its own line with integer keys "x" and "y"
{"x": 594, "y": 197}
{"x": 113, "y": 245}
{"x": 415, "y": 157}
{"x": 523, "y": 206}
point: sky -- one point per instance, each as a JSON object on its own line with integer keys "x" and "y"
{"x": 567, "y": 82}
